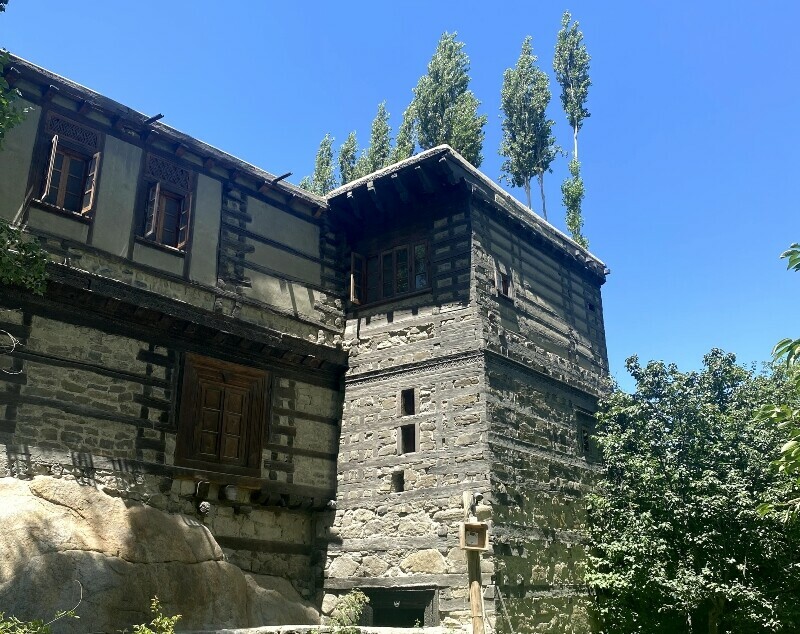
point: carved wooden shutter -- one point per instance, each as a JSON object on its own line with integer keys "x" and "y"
{"x": 48, "y": 177}
{"x": 183, "y": 222}
{"x": 151, "y": 215}
{"x": 91, "y": 184}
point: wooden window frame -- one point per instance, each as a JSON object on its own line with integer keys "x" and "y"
{"x": 154, "y": 216}
{"x": 162, "y": 179}
{"x": 89, "y": 179}
{"x": 199, "y": 371}
{"x": 359, "y": 277}
{"x": 504, "y": 280}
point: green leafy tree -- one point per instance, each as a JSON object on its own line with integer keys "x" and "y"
{"x": 572, "y": 195}
{"x": 785, "y": 415}
{"x": 3, "y": 4}
{"x": 404, "y": 143}
{"x": 571, "y": 65}
{"x": 347, "y": 159}
{"x": 323, "y": 179}
{"x": 378, "y": 154}
{"x": 677, "y": 543}
{"x": 528, "y": 143}
{"x": 445, "y": 109}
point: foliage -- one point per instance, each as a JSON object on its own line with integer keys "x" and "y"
{"x": 12, "y": 625}
{"x": 3, "y": 4}
{"x": 22, "y": 263}
{"x": 785, "y": 415}
{"x": 323, "y": 179}
{"x": 528, "y": 143}
{"x": 404, "y": 143}
{"x": 571, "y": 65}
{"x": 572, "y": 195}
{"x": 347, "y": 613}
{"x": 677, "y": 543}
{"x": 378, "y": 153}
{"x": 160, "y": 624}
{"x": 445, "y": 109}
{"x": 347, "y": 159}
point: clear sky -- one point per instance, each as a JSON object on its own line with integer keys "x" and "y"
{"x": 689, "y": 157}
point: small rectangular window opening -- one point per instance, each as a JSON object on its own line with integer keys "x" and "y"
{"x": 505, "y": 284}
{"x": 407, "y": 438}
{"x": 585, "y": 439}
{"x": 398, "y": 482}
{"x": 407, "y": 402}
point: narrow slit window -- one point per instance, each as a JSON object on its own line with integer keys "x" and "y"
{"x": 407, "y": 402}
{"x": 505, "y": 284}
{"x": 356, "y": 278}
{"x": 407, "y": 439}
{"x": 398, "y": 482}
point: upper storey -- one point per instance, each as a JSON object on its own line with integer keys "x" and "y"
{"x": 432, "y": 235}
{"x": 118, "y": 196}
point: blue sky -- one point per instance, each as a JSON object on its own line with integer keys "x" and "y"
{"x": 689, "y": 156}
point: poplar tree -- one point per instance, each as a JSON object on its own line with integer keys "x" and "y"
{"x": 528, "y": 143}
{"x": 404, "y": 144}
{"x": 446, "y": 110}
{"x": 347, "y": 159}
{"x": 571, "y": 65}
{"x": 323, "y": 179}
{"x": 377, "y": 155}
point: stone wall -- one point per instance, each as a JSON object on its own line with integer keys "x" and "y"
{"x": 545, "y": 368}
{"x": 100, "y": 407}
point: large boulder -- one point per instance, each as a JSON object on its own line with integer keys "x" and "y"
{"x": 56, "y": 532}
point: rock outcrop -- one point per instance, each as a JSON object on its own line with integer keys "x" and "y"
{"x": 56, "y": 532}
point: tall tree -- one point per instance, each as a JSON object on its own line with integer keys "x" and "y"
{"x": 446, "y": 110}
{"x": 323, "y": 179}
{"x": 347, "y": 159}
{"x": 378, "y": 153}
{"x": 784, "y": 415}
{"x": 571, "y": 65}
{"x": 528, "y": 143}
{"x": 404, "y": 144}
{"x": 677, "y": 543}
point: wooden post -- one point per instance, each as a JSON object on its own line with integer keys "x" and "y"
{"x": 475, "y": 590}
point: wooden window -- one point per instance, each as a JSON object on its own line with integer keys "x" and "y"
{"x": 503, "y": 280}
{"x": 70, "y": 180}
{"x": 392, "y": 273}
{"x": 167, "y": 217}
{"x": 168, "y": 203}
{"x": 407, "y": 439}
{"x": 357, "y": 279}
{"x": 223, "y": 416}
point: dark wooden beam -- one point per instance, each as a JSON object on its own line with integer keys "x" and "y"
{"x": 400, "y": 188}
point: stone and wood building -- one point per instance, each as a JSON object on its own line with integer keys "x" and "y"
{"x": 318, "y": 381}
